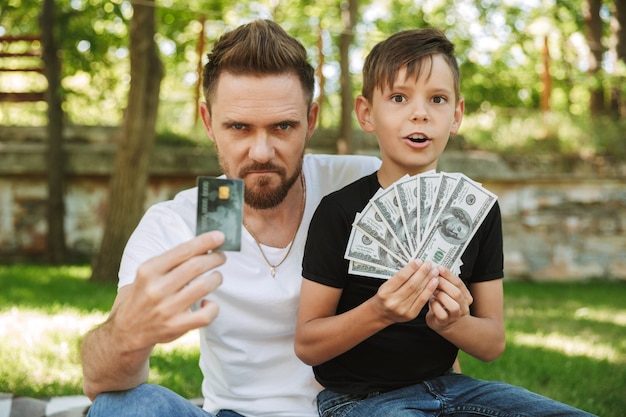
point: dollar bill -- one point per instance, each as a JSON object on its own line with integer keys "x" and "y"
{"x": 457, "y": 222}
{"x": 386, "y": 203}
{"x": 371, "y": 222}
{"x": 446, "y": 184}
{"x": 427, "y": 187}
{"x": 364, "y": 249}
{"x": 406, "y": 189}
{"x": 358, "y": 268}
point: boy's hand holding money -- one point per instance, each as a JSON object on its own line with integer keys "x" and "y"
{"x": 402, "y": 297}
{"x": 450, "y": 301}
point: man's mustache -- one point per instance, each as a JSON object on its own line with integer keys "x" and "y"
{"x": 261, "y": 167}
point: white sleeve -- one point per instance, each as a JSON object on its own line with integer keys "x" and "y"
{"x": 164, "y": 226}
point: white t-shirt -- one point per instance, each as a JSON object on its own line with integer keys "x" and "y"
{"x": 247, "y": 355}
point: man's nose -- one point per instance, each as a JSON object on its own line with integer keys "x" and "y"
{"x": 261, "y": 149}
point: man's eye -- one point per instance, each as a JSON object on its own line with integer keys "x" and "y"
{"x": 238, "y": 126}
{"x": 284, "y": 126}
{"x": 397, "y": 98}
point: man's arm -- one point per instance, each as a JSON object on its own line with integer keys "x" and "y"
{"x": 154, "y": 309}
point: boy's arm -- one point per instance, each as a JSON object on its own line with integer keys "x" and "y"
{"x": 322, "y": 335}
{"x": 154, "y": 309}
{"x": 481, "y": 333}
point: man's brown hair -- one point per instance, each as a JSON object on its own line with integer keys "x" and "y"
{"x": 260, "y": 47}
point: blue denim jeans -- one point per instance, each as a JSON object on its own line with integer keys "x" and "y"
{"x": 148, "y": 400}
{"x": 449, "y": 395}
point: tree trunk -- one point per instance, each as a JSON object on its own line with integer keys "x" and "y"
{"x": 129, "y": 179}
{"x": 320, "y": 73}
{"x": 546, "y": 77}
{"x": 349, "y": 15}
{"x": 593, "y": 31}
{"x": 620, "y": 32}
{"x": 618, "y": 105}
{"x": 55, "y": 242}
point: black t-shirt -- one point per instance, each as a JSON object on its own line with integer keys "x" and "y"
{"x": 404, "y": 353}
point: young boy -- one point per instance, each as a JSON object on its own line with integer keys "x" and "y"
{"x": 386, "y": 347}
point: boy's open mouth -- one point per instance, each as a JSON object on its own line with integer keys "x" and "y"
{"x": 417, "y": 139}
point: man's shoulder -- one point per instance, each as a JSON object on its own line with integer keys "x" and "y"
{"x": 332, "y": 172}
{"x": 342, "y": 161}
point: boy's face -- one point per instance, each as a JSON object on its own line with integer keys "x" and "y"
{"x": 413, "y": 119}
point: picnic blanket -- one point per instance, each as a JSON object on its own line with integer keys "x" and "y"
{"x": 66, "y": 406}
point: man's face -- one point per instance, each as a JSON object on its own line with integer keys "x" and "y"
{"x": 260, "y": 127}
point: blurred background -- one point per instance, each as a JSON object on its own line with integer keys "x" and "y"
{"x": 99, "y": 116}
{"x": 99, "y": 119}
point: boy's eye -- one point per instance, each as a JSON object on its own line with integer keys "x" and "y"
{"x": 397, "y": 98}
{"x": 439, "y": 99}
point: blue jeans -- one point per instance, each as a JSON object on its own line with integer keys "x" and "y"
{"x": 148, "y": 400}
{"x": 449, "y": 395}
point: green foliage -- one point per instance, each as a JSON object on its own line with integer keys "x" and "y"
{"x": 533, "y": 133}
{"x": 499, "y": 48}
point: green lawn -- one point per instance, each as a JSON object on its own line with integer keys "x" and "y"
{"x": 564, "y": 340}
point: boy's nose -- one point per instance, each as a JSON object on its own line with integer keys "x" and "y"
{"x": 419, "y": 114}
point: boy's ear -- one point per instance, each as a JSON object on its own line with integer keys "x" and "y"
{"x": 363, "y": 111}
{"x": 458, "y": 117}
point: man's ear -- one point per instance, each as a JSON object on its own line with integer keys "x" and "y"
{"x": 363, "y": 110}
{"x": 206, "y": 120}
{"x": 313, "y": 115}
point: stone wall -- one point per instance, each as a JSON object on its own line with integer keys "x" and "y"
{"x": 559, "y": 224}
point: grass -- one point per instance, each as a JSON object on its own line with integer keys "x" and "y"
{"x": 564, "y": 340}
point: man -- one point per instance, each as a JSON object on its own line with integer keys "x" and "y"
{"x": 260, "y": 113}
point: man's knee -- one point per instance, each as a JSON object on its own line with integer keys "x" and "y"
{"x": 145, "y": 399}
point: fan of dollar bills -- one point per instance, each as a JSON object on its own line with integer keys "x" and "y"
{"x": 430, "y": 216}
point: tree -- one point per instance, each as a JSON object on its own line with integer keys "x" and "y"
{"x": 349, "y": 16}
{"x": 129, "y": 180}
{"x": 593, "y": 31}
{"x": 55, "y": 244}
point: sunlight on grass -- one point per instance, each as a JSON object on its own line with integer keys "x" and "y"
{"x": 570, "y": 346}
{"x": 602, "y": 315}
{"x": 43, "y": 349}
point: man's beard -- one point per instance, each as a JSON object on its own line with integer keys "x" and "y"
{"x": 260, "y": 196}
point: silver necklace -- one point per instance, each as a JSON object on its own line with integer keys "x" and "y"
{"x": 267, "y": 261}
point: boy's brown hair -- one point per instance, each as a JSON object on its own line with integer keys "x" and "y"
{"x": 410, "y": 49}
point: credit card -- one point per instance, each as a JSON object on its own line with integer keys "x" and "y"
{"x": 220, "y": 207}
